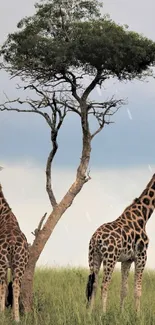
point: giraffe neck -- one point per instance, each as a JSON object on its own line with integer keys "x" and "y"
{"x": 4, "y": 206}
{"x": 146, "y": 201}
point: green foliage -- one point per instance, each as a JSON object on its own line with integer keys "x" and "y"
{"x": 112, "y": 48}
{"x": 72, "y": 35}
{"x": 59, "y": 296}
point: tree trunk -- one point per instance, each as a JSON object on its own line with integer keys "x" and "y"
{"x": 43, "y": 235}
{"x": 26, "y": 297}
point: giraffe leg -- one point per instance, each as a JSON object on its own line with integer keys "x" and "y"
{"x": 3, "y": 287}
{"x": 108, "y": 270}
{"x": 125, "y": 268}
{"x": 93, "y": 281}
{"x": 6, "y": 292}
{"x": 16, "y": 293}
{"x": 139, "y": 268}
{"x": 17, "y": 271}
{"x": 2, "y": 295}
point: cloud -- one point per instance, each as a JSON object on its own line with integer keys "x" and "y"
{"x": 101, "y": 200}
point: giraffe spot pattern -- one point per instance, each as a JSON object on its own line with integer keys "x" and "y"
{"x": 14, "y": 251}
{"x": 146, "y": 201}
{"x": 124, "y": 239}
{"x": 151, "y": 193}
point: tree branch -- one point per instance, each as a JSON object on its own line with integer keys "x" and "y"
{"x": 36, "y": 231}
{"x": 4, "y": 107}
{"x": 48, "y": 172}
{"x": 73, "y": 84}
{"x": 104, "y": 111}
{"x": 54, "y": 132}
{"x": 54, "y": 123}
{"x": 91, "y": 85}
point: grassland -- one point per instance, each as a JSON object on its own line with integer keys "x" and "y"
{"x": 59, "y": 299}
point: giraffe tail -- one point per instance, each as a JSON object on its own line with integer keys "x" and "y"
{"x": 9, "y": 296}
{"x": 92, "y": 275}
{"x": 89, "y": 288}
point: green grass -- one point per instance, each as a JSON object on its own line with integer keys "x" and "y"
{"x": 59, "y": 299}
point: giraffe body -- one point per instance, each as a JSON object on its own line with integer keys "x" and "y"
{"x": 123, "y": 240}
{"x": 13, "y": 254}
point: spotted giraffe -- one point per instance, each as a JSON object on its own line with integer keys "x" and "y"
{"x": 13, "y": 254}
{"x": 123, "y": 240}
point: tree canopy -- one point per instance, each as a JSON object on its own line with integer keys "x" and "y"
{"x": 64, "y": 36}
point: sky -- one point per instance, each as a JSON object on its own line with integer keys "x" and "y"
{"x": 122, "y": 160}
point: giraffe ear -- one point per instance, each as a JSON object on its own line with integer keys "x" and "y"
{"x": 1, "y": 168}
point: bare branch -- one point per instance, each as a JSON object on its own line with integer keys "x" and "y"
{"x": 35, "y": 88}
{"x": 54, "y": 132}
{"x": 48, "y": 173}
{"x": 46, "y": 99}
{"x": 97, "y": 131}
{"x": 4, "y": 107}
{"x": 73, "y": 83}
{"x": 72, "y": 109}
{"x": 36, "y": 231}
{"x": 103, "y": 112}
{"x": 54, "y": 123}
{"x": 91, "y": 86}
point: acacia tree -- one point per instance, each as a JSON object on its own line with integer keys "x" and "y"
{"x": 61, "y": 54}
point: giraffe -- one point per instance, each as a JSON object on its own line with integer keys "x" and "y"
{"x": 122, "y": 240}
{"x": 13, "y": 254}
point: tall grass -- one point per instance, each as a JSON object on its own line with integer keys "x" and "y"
{"x": 59, "y": 299}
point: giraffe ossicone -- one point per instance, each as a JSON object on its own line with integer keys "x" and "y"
{"x": 14, "y": 254}
{"x": 122, "y": 240}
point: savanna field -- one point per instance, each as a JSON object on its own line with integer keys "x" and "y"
{"x": 59, "y": 299}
